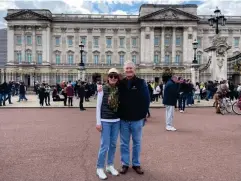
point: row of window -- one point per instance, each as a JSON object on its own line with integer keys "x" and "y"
{"x": 70, "y": 58}
{"x": 28, "y": 57}
{"x": 177, "y": 59}
{"x": 167, "y": 41}
{"x": 28, "y": 40}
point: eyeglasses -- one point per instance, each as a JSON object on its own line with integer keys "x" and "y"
{"x": 113, "y": 76}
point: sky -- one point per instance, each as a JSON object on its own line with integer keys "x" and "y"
{"x": 120, "y": 7}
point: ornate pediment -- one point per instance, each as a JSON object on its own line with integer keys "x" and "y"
{"x": 169, "y": 14}
{"x": 27, "y": 15}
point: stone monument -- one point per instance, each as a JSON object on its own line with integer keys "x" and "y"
{"x": 218, "y": 54}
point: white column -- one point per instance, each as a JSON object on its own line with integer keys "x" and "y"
{"x": 150, "y": 59}
{"x": 142, "y": 44}
{"x": 48, "y": 39}
{"x": 44, "y": 45}
{"x": 185, "y": 39}
{"x": 163, "y": 45}
{"x": 11, "y": 43}
{"x": 174, "y": 45}
{"x": 34, "y": 46}
{"x": 23, "y": 44}
{"x": 190, "y": 52}
{"x": 193, "y": 75}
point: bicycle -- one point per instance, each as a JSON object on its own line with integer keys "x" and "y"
{"x": 225, "y": 105}
{"x": 237, "y": 104}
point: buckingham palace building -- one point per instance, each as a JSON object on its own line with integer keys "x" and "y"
{"x": 43, "y": 46}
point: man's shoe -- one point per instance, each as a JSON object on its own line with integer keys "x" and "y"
{"x": 124, "y": 169}
{"x": 101, "y": 174}
{"x": 138, "y": 170}
{"x": 110, "y": 169}
{"x": 170, "y": 128}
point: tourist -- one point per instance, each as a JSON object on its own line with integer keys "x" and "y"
{"x": 47, "y": 94}
{"x": 70, "y": 93}
{"x": 108, "y": 124}
{"x": 134, "y": 104}
{"x": 41, "y": 94}
{"x": 134, "y": 101}
{"x": 197, "y": 92}
{"x": 170, "y": 100}
{"x": 22, "y": 92}
{"x": 182, "y": 95}
{"x": 81, "y": 95}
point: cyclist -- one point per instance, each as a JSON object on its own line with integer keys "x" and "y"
{"x": 222, "y": 90}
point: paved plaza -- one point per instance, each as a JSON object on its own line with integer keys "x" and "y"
{"x": 33, "y": 102}
{"x": 62, "y": 145}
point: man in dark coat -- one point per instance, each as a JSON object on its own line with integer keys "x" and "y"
{"x": 81, "y": 95}
{"x": 170, "y": 100}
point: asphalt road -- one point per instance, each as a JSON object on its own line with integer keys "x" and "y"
{"x": 62, "y": 145}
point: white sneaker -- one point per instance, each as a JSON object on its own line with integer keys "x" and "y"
{"x": 170, "y": 128}
{"x": 110, "y": 169}
{"x": 101, "y": 174}
{"x": 181, "y": 111}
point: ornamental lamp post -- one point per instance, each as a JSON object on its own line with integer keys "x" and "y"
{"x": 216, "y": 19}
{"x": 195, "y": 44}
{"x": 4, "y": 75}
{"x": 81, "y": 64}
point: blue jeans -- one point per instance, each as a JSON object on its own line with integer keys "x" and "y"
{"x": 2, "y": 99}
{"x": 21, "y": 97}
{"x": 182, "y": 101}
{"x": 189, "y": 98}
{"x": 130, "y": 129}
{"x": 109, "y": 135}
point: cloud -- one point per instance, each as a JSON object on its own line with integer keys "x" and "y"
{"x": 119, "y": 12}
{"x": 119, "y": 7}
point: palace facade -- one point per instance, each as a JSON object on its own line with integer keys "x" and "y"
{"x": 43, "y": 46}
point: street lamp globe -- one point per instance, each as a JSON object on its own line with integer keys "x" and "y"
{"x": 81, "y": 45}
{"x": 195, "y": 44}
{"x": 217, "y": 12}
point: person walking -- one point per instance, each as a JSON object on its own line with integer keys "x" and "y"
{"x": 170, "y": 100}
{"x": 47, "y": 94}
{"x": 70, "y": 94}
{"x": 108, "y": 124}
{"x": 81, "y": 95}
{"x": 41, "y": 94}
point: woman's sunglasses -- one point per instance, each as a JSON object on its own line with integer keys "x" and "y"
{"x": 113, "y": 76}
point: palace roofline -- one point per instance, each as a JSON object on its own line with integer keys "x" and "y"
{"x": 168, "y": 5}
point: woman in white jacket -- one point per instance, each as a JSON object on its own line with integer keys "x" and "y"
{"x": 156, "y": 92}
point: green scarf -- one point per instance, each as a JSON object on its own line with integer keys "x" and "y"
{"x": 113, "y": 99}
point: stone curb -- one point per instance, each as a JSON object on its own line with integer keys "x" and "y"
{"x": 91, "y": 107}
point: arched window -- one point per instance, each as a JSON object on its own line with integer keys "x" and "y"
{"x": 96, "y": 55}
{"x": 29, "y": 56}
{"x": 199, "y": 57}
{"x": 57, "y": 57}
{"x": 157, "y": 56}
{"x": 134, "y": 57}
{"x": 178, "y": 57}
{"x": 167, "y": 59}
{"x": 122, "y": 57}
{"x": 70, "y": 57}
{"x": 109, "y": 57}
